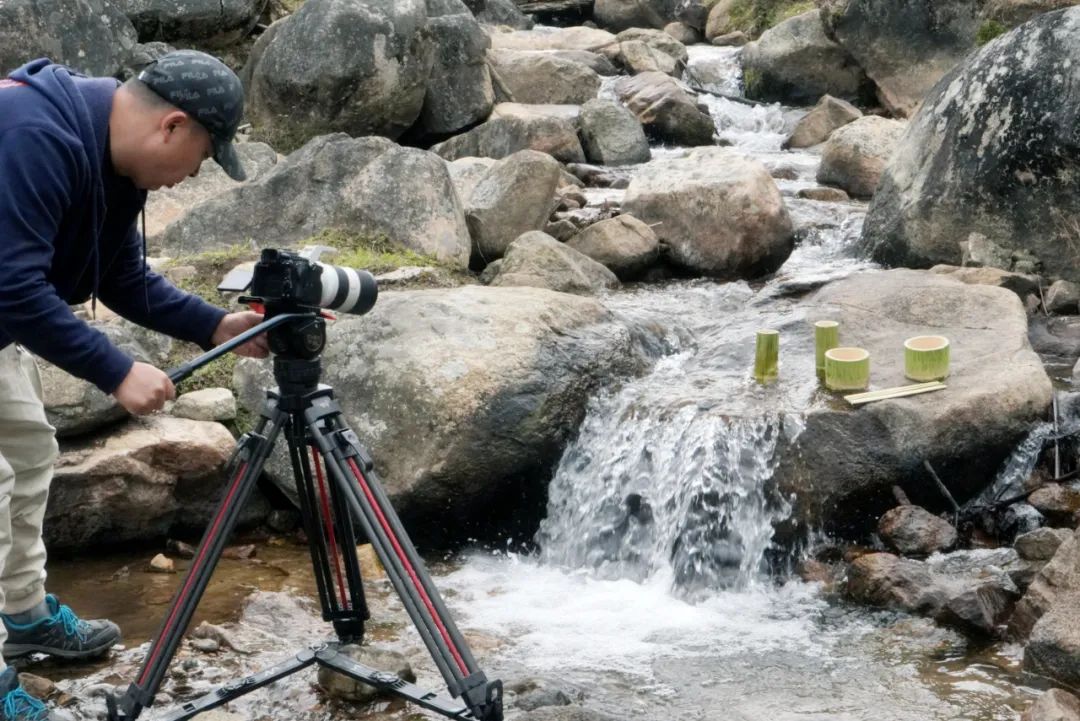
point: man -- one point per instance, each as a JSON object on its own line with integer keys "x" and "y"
{"x": 77, "y": 156}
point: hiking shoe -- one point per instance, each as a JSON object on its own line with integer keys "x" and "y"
{"x": 62, "y": 634}
{"x": 16, "y": 704}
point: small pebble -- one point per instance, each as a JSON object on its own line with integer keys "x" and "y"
{"x": 206, "y": 645}
{"x": 162, "y": 564}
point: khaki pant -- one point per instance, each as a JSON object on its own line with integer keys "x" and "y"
{"x": 27, "y": 452}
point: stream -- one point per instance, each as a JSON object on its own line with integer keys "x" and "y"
{"x": 649, "y": 595}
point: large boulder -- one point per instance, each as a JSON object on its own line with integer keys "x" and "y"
{"x": 467, "y": 397}
{"x": 167, "y": 204}
{"x": 359, "y": 185}
{"x": 623, "y": 243}
{"x": 1058, "y": 580}
{"x": 816, "y": 126}
{"x": 611, "y": 135}
{"x": 1054, "y": 705}
{"x": 720, "y": 212}
{"x": 1053, "y": 649}
{"x": 978, "y": 158}
{"x": 354, "y": 66}
{"x": 136, "y": 484}
{"x": 539, "y": 261}
{"x": 505, "y": 13}
{"x": 459, "y": 91}
{"x": 1018, "y": 12}
{"x": 657, "y": 40}
{"x": 514, "y": 196}
{"x": 856, "y": 154}
{"x": 502, "y": 136}
{"x": 623, "y": 14}
{"x": 92, "y": 36}
{"x": 216, "y": 23}
{"x": 905, "y": 47}
{"x": 997, "y": 387}
{"x": 539, "y": 77}
{"x": 795, "y": 62}
{"x": 668, "y": 112}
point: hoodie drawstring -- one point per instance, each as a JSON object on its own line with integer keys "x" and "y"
{"x": 146, "y": 292}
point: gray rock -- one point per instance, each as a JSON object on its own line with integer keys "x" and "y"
{"x": 1063, "y": 297}
{"x": 217, "y": 23}
{"x": 467, "y": 396}
{"x": 167, "y": 204}
{"x": 736, "y": 39}
{"x": 976, "y": 602}
{"x": 541, "y": 698}
{"x": 466, "y": 173}
{"x": 720, "y": 212}
{"x": 1054, "y": 705}
{"x": 538, "y": 77}
{"x": 1053, "y": 649}
{"x": 74, "y": 406}
{"x": 92, "y": 36}
{"x": 945, "y": 181}
{"x": 719, "y": 21}
{"x": 530, "y": 111}
{"x": 997, "y": 388}
{"x": 354, "y": 66}
{"x": 1058, "y": 579}
{"x": 135, "y": 483}
{"x": 1040, "y": 544}
{"x": 855, "y": 154}
{"x": 611, "y": 135}
{"x": 623, "y": 244}
{"x": 1017, "y": 12}
{"x": 537, "y": 260}
{"x": 637, "y": 56}
{"x": 360, "y": 185}
{"x": 502, "y": 136}
{"x": 816, "y": 126}
{"x": 1059, "y": 503}
{"x": 914, "y": 531}
{"x": 978, "y": 251}
{"x": 823, "y": 195}
{"x": 514, "y": 197}
{"x": 459, "y": 91}
{"x": 340, "y": 686}
{"x": 597, "y": 62}
{"x": 665, "y": 109}
{"x": 572, "y": 38}
{"x": 624, "y": 14}
{"x": 684, "y": 33}
{"x": 905, "y": 48}
{"x": 657, "y": 40}
{"x": 1022, "y": 285}
{"x": 504, "y": 12}
{"x": 565, "y": 713}
{"x": 795, "y": 62}
{"x": 208, "y": 404}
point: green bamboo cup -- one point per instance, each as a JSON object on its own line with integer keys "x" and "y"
{"x": 826, "y": 337}
{"x": 767, "y": 356}
{"x": 926, "y": 358}
{"x": 847, "y": 369}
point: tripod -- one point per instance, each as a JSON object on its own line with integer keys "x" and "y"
{"x": 340, "y": 495}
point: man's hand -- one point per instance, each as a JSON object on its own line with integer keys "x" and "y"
{"x": 233, "y": 325}
{"x": 144, "y": 389}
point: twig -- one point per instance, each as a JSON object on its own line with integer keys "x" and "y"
{"x": 1042, "y": 300}
{"x": 942, "y": 488}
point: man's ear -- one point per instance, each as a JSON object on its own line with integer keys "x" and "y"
{"x": 171, "y": 121}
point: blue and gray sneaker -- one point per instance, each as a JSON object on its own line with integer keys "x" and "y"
{"x": 61, "y": 634}
{"x": 16, "y": 704}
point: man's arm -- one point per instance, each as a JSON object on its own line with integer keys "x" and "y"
{"x": 39, "y": 172}
{"x": 159, "y": 305}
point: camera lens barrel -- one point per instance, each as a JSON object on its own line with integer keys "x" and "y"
{"x": 347, "y": 290}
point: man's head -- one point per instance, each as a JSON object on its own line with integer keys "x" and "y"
{"x": 179, "y": 111}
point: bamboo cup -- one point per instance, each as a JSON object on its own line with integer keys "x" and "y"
{"x": 847, "y": 369}
{"x": 767, "y": 356}
{"x": 926, "y": 357}
{"x": 826, "y": 337}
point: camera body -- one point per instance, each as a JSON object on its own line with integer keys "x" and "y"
{"x": 284, "y": 281}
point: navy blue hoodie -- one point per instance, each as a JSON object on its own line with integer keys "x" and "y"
{"x": 67, "y": 229}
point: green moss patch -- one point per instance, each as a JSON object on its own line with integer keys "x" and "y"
{"x": 989, "y": 30}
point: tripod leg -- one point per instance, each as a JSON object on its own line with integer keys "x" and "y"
{"x": 351, "y": 469}
{"x": 248, "y": 461}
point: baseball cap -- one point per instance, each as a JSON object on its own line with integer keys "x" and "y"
{"x": 207, "y": 90}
